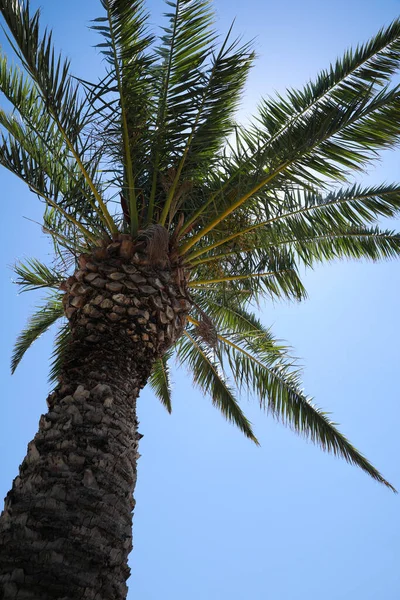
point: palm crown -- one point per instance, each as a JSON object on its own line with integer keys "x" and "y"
{"x": 244, "y": 207}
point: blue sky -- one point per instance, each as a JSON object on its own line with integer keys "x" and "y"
{"x": 216, "y": 517}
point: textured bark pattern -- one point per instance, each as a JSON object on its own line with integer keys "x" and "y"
{"x": 122, "y": 295}
{"x": 65, "y": 531}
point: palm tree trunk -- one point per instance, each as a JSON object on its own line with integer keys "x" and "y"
{"x": 65, "y": 531}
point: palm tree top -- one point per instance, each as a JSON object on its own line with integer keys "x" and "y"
{"x": 155, "y": 143}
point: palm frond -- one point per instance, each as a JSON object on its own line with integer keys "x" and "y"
{"x": 50, "y": 75}
{"x": 213, "y": 122}
{"x": 307, "y": 247}
{"x": 29, "y": 110}
{"x": 220, "y": 98}
{"x": 330, "y": 140}
{"x": 32, "y": 171}
{"x": 160, "y": 381}
{"x": 31, "y": 127}
{"x": 277, "y": 387}
{"x": 33, "y": 275}
{"x": 125, "y": 44}
{"x": 210, "y": 379}
{"x": 38, "y": 323}
{"x": 61, "y": 345}
{"x": 300, "y": 209}
{"x": 261, "y": 270}
{"x": 46, "y": 168}
{"x": 230, "y": 314}
{"x": 371, "y": 243}
{"x": 49, "y": 72}
{"x": 184, "y": 49}
{"x": 373, "y": 63}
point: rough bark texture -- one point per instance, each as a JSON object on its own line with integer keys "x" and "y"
{"x": 65, "y": 531}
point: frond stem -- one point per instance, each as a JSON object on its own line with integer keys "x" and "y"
{"x": 69, "y": 217}
{"x": 276, "y": 219}
{"x": 172, "y": 190}
{"x": 102, "y": 210}
{"x": 235, "y": 278}
{"x": 161, "y": 115}
{"x": 225, "y": 340}
{"x": 316, "y": 102}
{"x": 231, "y": 208}
{"x": 133, "y": 212}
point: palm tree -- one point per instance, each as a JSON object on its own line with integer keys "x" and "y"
{"x": 169, "y": 222}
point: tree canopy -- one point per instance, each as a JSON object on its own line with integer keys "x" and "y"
{"x": 155, "y": 143}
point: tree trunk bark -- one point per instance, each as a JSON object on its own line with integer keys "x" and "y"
{"x": 66, "y": 529}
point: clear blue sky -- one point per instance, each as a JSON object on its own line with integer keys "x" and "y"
{"x": 216, "y": 517}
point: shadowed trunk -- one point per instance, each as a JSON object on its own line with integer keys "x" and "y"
{"x": 65, "y": 531}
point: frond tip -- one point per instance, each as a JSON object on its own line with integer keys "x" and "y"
{"x": 160, "y": 381}
{"x": 270, "y": 375}
{"x": 209, "y": 376}
{"x": 293, "y": 408}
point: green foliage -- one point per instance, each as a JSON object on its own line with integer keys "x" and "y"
{"x": 186, "y": 45}
{"x": 293, "y": 216}
{"x": 34, "y": 275}
{"x": 245, "y": 207}
{"x": 48, "y": 71}
{"x": 160, "y": 381}
{"x": 210, "y": 380}
{"x": 61, "y": 343}
{"x": 128, "y": 115}
{"x": 38, "y": 323}
{"x": 278, "y": 388}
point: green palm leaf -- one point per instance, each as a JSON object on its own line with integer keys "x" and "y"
{"x": 373, "y": 63}
{"x": 210, "y": 379}
{"x": 126, "y": 41}
{"x": 229, "y": 314}
{"x": 50, "y": 75}
{"x": 33, "y": 275}
{"x": 61, "y": 344}
{"x": 49, "y": 72}
{"x": 261, "y": 365}
{"x": 47, "y": 170}
{"x": 278, "y": 389}
{"x": 308, "y": 245}
{"x": 330, "y": 122}
{"x": 31, "y": 127}
{"x": 19, "y": 90}
{"x": 363, "y": 242}
{"x": 185, "y": 46}
{"x": 33, "y": 172}
{"x": 276, "y": 283}
{"x": 220, "y": 97}
{"x": 297, "y": 210}
{"x": 38, "y": 324}
{"x": 213, "y": 122}
{"x": 160, "y": 381}
{"x": 325, "y": 142}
